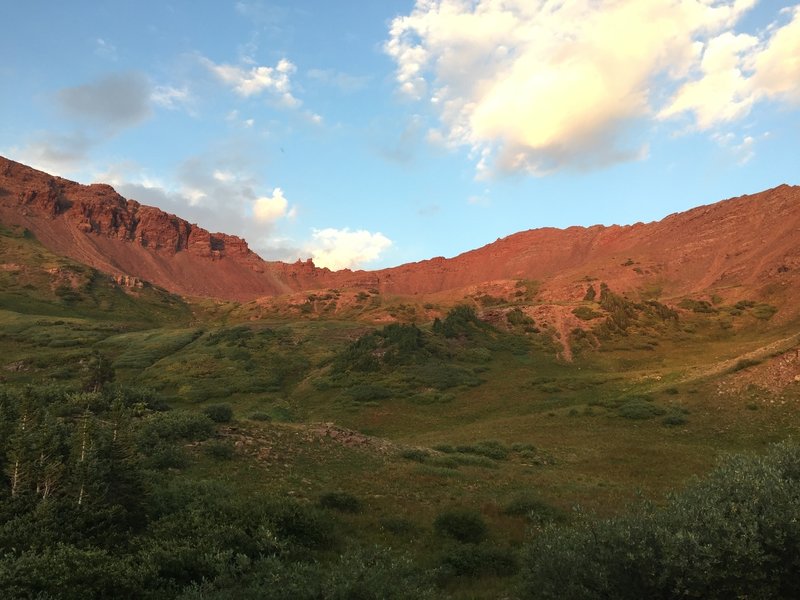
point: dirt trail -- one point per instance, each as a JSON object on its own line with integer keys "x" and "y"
{"x": 778, "y": 346}
{"x": 561, "y": 326}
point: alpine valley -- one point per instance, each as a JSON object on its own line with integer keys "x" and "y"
{"x": 577, "y": 413}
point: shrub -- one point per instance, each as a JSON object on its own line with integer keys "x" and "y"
{"x": 442, "y": 376}
{"x": 166, "y": 456}
{"x": 674, "y": 420}
{"x": 219, "y": 413}
{"x": 366, "y": 392}
{"x": 463, "y": 525}
{"x": 532, "y": 508}
{"x": 260, "y": 416}
{"x": 341, "y": 501}
{"x": 744, "y": 364}
{"x": 416, "y": 454}
{"x": 733, "y": 535}
{"x": 518, "y": 318}
{"x": 398, "y": 525}
{"x": 303, "y": 525}
{"x": 639, "y": 409}
{"x": 698, "y": 306}
{"x": 175, "y": 425}
{"x": 488, "y": 448}
{"x": 445, "y": 462}
{"x": 764, "y": 311}
{"x": 219, "y": 449}
{"x": 477, "y": 561}
{"x": 585, "y": 313}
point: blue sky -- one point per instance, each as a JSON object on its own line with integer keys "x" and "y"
{"x": 369, "y": 134}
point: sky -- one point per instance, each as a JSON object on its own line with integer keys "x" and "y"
{"x": 369, "y": 134}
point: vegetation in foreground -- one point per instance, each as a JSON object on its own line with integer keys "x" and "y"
{"x": 155, "y": 448}
{"x": 99, "y": 500}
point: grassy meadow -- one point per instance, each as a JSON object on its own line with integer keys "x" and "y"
{"x": 435, "y": 453}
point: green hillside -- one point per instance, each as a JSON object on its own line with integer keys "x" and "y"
{"x": 156, "y": 447}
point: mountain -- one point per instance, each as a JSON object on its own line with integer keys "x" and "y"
{"x": 739, "y": 248}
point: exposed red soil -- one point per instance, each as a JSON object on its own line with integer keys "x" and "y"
{"x": 746, "y": 247}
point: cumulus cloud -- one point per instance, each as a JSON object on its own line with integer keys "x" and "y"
{"x": 535, "y": 86}
{"x": 268, "y": 209}
{"x": 344, "y": 249}
{"x": 255, "y": 80}
{"x": 722, "y": 92}
{"x": 777, "y": 66}
{"x": 113, "y": 102}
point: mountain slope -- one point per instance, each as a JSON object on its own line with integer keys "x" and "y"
{"x": 744, "y": 247}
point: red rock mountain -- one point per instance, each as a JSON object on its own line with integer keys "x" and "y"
{"x": 739, "y": 247}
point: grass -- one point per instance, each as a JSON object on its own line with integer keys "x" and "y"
{"x": 493, "y": 423}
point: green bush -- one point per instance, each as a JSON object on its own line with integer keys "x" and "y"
{"x": 398, "y": 525}
{"x": 488, "y": 448}
{"x": 416, "y": 454}
{"x": 698, "y": 306}
{"x": 166, "y": 456}
{"x": 219, "y": 449}
{"x": 744, "y": 363}
{"x": 461, "y": 524}
{"x": 533, "y": 509}
{"x": 732, "y": 535}
{"x": 478, "y": 561}
{"x": 219, "y": 413}
{"x": 341, "y": 501}
{"x": 585, "y": 313}
{"x": 640, "y": 409}
{"x": 442, "y": 376}
{"x": 674, "y": 420}
{"x": 517, "y": 317}
{"x": 304, "y": 525}
{"x": 764, "y": 311}
{"x": 175, "y": 425}
{"x": 367, "y": 392}
{"x": 260, "y": 416}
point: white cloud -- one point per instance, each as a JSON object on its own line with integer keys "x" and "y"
{"x": 535, "y": 86}
{"x": 742, "y": 150}
{"x": 736, "y": 71}
{"x": 170, "y": 97}
{"x": 722, "y": 92}
{"x": 777, "y": 65}
{"x": 268, "y": 209}
{"x": 344, "y": 249}
{"x": 256, "y": 80}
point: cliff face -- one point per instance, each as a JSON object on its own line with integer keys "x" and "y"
{"x": 97, "y": 226}
{"x": 747, "y": 245}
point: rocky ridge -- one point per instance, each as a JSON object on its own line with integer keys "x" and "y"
{"x": 742, "y": 247}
